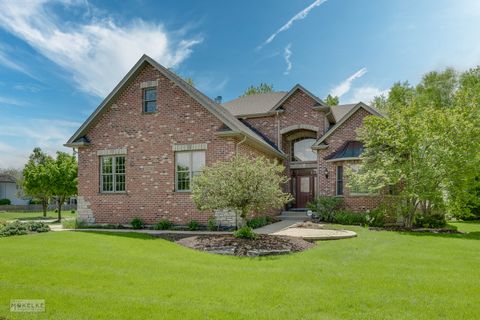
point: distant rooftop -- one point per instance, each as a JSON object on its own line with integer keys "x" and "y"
{"x": 7, "y": 178}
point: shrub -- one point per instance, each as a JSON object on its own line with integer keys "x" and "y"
{"x": 375, "y": 218}
{"x": 163, "y": 225}
{"x": 137, "y": 223}
{"x": 349, "y": 217}
{"x": 245, "y": 232}
{"x": 36, "y": 226}
{"x": 19, "y": 228}
{"x": 324, "y": 207}
{"x": 212, "y": 224}
{"x": 13, "y": 229}
{"x": 257, "y": 222}
{"x": 193, "y": 225}
{"x": 73, "y": 211}
{"x": 35, "y": 201}
{"x": 5, "y": 202}
{"x": 433, "y": 220}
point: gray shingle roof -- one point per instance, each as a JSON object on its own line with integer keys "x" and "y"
{"x": 350, "y": 149}
{"x": 341, "y": 110}
{"x": 222, "y": 114}
{"x": 7, "y": 178}
{"x": 254, "y": 104}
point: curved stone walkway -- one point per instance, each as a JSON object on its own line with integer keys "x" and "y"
{"x": 316, "y": 232}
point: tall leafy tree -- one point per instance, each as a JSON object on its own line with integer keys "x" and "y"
{"x": 63, "y": 171}
{"x": 37, "y": 178}
{"x": 261, "y": 88}
{"x": 332, "y": 100}
{"x": 429, "y": 144}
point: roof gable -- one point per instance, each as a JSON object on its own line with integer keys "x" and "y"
{"x": 347, "y": 116}
{"x": 322, "y": 106}
{"x": 235, "y": 126}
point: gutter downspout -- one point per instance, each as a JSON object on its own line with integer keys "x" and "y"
{"x": 279, "y": 137}
{"x": 239, "y": 143}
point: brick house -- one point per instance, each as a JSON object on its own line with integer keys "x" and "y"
{"x": 140, "y": 148}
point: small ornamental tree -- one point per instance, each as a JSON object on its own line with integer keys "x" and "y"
{"x": 63, "y": 171}
{"x": 37, "y": 178}
{"x": 241, "y": 184}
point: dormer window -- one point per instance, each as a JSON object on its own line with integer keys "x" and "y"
{"x": 149, "y": 100}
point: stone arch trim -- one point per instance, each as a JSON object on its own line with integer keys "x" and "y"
{"x": 299, "y": 127}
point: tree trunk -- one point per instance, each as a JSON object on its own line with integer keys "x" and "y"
{"x": 60, "y": 202}
{"x": 44, "y": 207}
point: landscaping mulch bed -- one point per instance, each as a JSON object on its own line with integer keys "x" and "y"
{"x": 263, "y": 245}
{"x": 420, "y": 230}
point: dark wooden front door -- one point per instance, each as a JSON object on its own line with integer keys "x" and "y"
{"x": 304, "y": 190}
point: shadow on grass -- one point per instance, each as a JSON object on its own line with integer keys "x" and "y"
{"x": 131, "y": 235}
{"x": 39, "y": 218}
{"x": 475, "y": 235}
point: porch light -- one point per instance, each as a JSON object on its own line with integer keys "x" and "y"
{"x": 326, "y": 172}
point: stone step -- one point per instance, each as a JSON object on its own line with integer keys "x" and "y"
{"x": 294, "y": 215}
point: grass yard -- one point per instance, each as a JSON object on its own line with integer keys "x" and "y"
{"x": 378, "y": 275}
{"x": 34, "y": 215}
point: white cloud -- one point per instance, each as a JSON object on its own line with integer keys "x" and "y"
{"x": 97, "y": 53}
{"x": 11, "y": 102}
{"x": 10, "y": 63}
{"x": 345, "y": 86}
{"x": 286, "y": 55}
{"x": 366, "y": 94}
{"x": 209, "y": 85}
{"x": 47, "y": 134}
{"x": 11, "y": 157}
{"x": 299, "y": 16}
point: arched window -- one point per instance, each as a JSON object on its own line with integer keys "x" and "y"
{"x": 302, "y": 149}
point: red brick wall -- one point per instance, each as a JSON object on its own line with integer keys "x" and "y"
{"x": 297, "y": 110}
{"x": 149, "y": 138}
{"x": 327, "y": 186}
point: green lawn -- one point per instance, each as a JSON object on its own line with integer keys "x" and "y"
{"x": 34, "y": 215}
{"x": 378, "y": 275}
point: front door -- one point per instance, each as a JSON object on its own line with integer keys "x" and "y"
{"x": 304, "y": 190}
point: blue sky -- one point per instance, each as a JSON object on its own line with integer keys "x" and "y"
{"x": 59, "y": 58}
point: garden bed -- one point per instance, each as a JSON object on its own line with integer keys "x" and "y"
{"x": 263, "y": 245}
{"x": 420, "y": 230}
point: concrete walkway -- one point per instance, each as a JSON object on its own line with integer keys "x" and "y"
{"x": 316, "y": 234}
{"x": 275, "y": 227}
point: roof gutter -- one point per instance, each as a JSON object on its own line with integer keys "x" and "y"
{"x": 264, "y": 147}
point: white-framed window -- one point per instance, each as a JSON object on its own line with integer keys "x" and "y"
{"x": 355, "y": 187}
{"x": 339, "y": 181}
{"x": 112, "y": 174}
{"x": 149, "y": 100}
{"x": 187, "y": 165}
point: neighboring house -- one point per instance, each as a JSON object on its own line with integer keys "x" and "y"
{"x": 140, "y": 148}
{"x": 9, "y": 190}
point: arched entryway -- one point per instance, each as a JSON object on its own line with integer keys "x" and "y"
{"x": 302, "y": 162}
